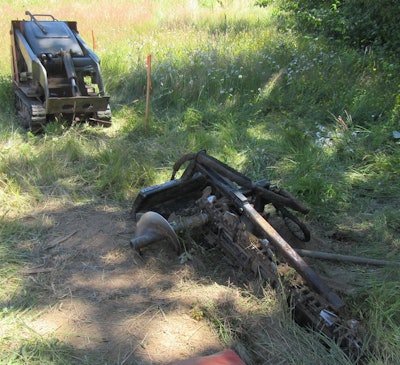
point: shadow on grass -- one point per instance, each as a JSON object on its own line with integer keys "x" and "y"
{"x": 259, "y": 135}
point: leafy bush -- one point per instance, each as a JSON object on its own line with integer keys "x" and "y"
{"x": 360, "y": 23}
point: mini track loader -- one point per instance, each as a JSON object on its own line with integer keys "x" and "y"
{"x": 55, "y": 73}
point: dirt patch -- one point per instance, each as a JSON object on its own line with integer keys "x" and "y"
{"x": 113, "y": 305}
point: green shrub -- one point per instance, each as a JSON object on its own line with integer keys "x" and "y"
{"x": 359, "y": 23}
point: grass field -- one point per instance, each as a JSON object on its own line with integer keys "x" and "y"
{"x": 309, "y": 113}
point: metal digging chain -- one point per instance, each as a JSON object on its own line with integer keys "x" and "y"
{"x": 324, "y": 319}
{"x": 257, "y": 254}
{"x": 237, "y": 243}
{"x": 31, "y": 113}
{"x": 231, "y": 208}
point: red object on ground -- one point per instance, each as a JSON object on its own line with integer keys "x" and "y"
{"x": 227, "y": 357}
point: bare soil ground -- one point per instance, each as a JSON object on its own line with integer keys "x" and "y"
{"x": 112, "y": 304}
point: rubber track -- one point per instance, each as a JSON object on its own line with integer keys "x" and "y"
{"x": 37, "y": 111}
